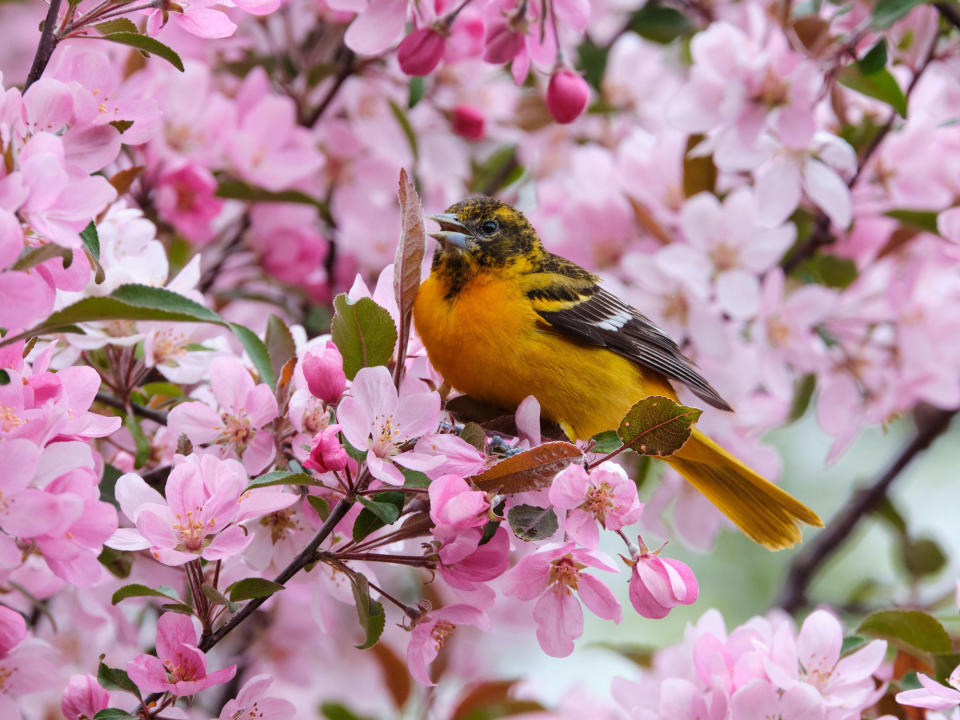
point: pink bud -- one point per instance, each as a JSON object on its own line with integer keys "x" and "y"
{"x": 83, "y": 698}
{"x": 326, "y": 452}
{"x": 420, "y": 51}
{"x": 567, "y": 96}
{"x": 658, "y": 585}
{"x": 13, "y": 630}
{"x": 503, "y": 43}
{"x": 324, "y": 373}
{"x": 468, "y": 122}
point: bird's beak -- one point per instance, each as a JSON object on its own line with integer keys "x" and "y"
{"x": 452, "y": 231}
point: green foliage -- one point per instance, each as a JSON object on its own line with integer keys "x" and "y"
{"x": 136, "y": 590}
{"x": 283, "y": 477}
{"x": 240, "y": 190}
{"x": 660, "y": 24}
{"x": 280, "y": 344}
{"x": 251, "y": 588}
{"x": 115, "y": 679}
{"x": 364, "y": 333}
{"x": 870, "y": 77}
{"x": 887, "y": 12}
{"x": 369, "y": 611}
{"x": 606, "y": 442}
{"x": 911, "y": 630}
{"x": 530, "y": 522}
{"x": 474, "y": 434}
{"x": 923, "y": 220}
{"x": 378, "y": 511}
{"x": 146, "y": 45}
{"x": 657, "y": 426}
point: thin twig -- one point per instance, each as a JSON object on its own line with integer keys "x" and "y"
{"x": 48, "y": 41}
{"x": 158, "y": 416}
{"x": 348, "y": 66}
{"x": 805, "y": 565}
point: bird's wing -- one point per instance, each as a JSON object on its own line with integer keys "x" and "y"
{"x": 579, "y": 308}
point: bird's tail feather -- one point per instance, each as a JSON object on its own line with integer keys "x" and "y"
{"x": 764, "y": 512}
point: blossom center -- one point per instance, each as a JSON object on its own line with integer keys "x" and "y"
{"x": 191, "y": 531}
{"x": 237, "y": 430}
{"x": 169, "y": 345}
{"x": 9, "y": 419}
{"x": 565, "y": 573}
{"x": 598, "y": 499}
{"x": 281, "y": 524}
{"x": 441, "y": 631}
{"x": 386, "y": 434}
{"x": 177, "y": 673}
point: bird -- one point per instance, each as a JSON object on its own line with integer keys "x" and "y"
{"x": 501, "y": 318}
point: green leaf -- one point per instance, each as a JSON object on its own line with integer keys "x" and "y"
{"x": 828, "y": 270}
{"x": 118, "y": 562}
{"x": 239, "y": 190}
{"x": 113, "y": 714}
{"x": 283, "y": 477}
{"x": 494, "y": 172}
{"x": 257, "y": 352}
{"x": 887, "y": 12}
{"x": 657, "y": 426}
{"x": 606, "y": 442}
{"x": 802, "y": 394}
{"x": 140, "y": 440}
{"x": 108, "y": 482}
{"x": 137, "y": 590}
{"x": 910, "y": 629}
{"x": 181, "y": 608}
{"x": 146, "y": 45}
{"x": 880, "y": 85}
{"x": 699, "y": 171}
{"x": 660, "y": 24}
{"x": 592, "y": 61}
{"x": 43, "y": 253}
{"x": 944, "y": 664}
{"x": 218, "y": 598}
{"x": 117, "y": 25}
{"x": 530, "y": 522}
{"x": 886, "y": 510}
{"x": 852, "y": 644}
{"x": 364, "y": 333}
{"x": 875, "y": 58}
{"x": 401, "y": 117}
{"x": 253, "y": 587}
{"x": 320, "y": 506}
{"x": 369, "y": 611}
{"x": 922, "y": 557}
{"x": 280, "y": 344}
{"x": 474, "y": 434}
{"x": 337, "y": 711}
{"x": 374, "y": 514}
{"x": 925, "y": 220}
{"x": 162, "y": 388}
{"x": 115, "y": 679}
{"x": 414, "y": 478}
{"x": 416, "y": 91}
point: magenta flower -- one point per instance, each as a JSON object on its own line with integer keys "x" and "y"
{"x": 83, "y": 698}
{"x": 421, "y": 51}
{"x": 252, "y": 702}
{"x": 323, "y": 372}
{"x": 551, "y": 576}
{"x": 185, "y": 198}
{"x": 658, "y": 585}
{"x": 201, "y": 515}
{"x": 454, "y": 504}
{"x": 326, "y": 452}
{"x": 237, "y": 429}
{"x": 180, "y": 667}
{"x": 567, "y": 96}
{"x": 933, "y": 695}
{"x": 431, "y": 630}
{"x": 605, "y": 496}
{"x": 375, "y": 420}
{"x": 467, "y": 565}
{"x": 468, "y": 122}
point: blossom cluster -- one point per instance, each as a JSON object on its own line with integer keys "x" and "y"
{"x": 776, "y": 189}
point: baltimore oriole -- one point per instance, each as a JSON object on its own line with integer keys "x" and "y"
{"x": 502, "y": 318}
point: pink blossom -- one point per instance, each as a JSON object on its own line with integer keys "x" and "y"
{"x": 196, "y": 17}
{"x": 454, "y": 504}
{"x": 374, "y": 419}
{"x": 253, "y": 702}
{"x": 25, "y": 663}
{"x": 551, "y": 576}
{"x": 238, "y": 428}
{"x": 657, "y": 585}
{"x": 933, "y": 695}
{"x": 432, "y": 629}
{"x": 468, "y": 122}
{"x": 205, "y": 502}
{"x": 420, "y": 51}
{"x": 326, "y": 452}
{"x": 503, "y": 42}
{"x": 444, "y": 453}
{"x": 179, "y": 667}
{"x": 83, "y": 698}
{"x": 567, "y": 96}
{"x": 378, "y": 26}
{"x": 323, "y": 372}
{"x": 759, "y": 700}
{"x": 467, "y": 565}
{"x": 606, "y": 496}
{"x": 185, "y": 198}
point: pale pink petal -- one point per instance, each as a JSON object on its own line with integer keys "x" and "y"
{"x": 384, "y": 471}
{"x": 132, "y": 493}
{"x": 197, "y": 420}
{"x": 261, "y": 405}
{"x": 127, "y": 539}
{"x": 569, "y": 487}
{"x": 419, "y": 414}
{"x": 861, "y": 664}
{"x": 373, "y": 388}
{"x": 156, "y": 530}
{"x": 948, "y": 224}
{"x": 231, "y": 384}
{"x": 259, "y": 452}
{"x": 802, "y": 702}
{"x": 205, "y": 22}
{"x": 598, "y": 598}
{"x": 559, "y": 620}
{"x": 819, "y": 642}
{"x": 527, "y": 419}
{"x": 421, "y": 651}
{"x": 758, "y": 700}
{"x": 230, "y": 542}
{"x": 778, "y": 190}
{"x": 356, "y": 422}
{"x": 738, "y": 293}
{"x": 828, "y": 191}
{"x": 378, "y": 28}
{"x": 148, "y": 673}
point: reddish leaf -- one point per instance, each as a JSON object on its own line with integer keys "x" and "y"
{"x": 530, "y": 470}
{"x": 409, "y": 258}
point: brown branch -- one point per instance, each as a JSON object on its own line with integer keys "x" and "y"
{"x": 158, "y": 416}
{"x": 348, "y": 66}
{"x": 930, "y": 425}
{"x": 949, "y": 13}
{"x": 48, "y": 41}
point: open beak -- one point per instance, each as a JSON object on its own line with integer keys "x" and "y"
{"x": 452, "y": 231}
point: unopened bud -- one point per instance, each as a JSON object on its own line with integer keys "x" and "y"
{"x": 420, "y": 51}
{"x": 567, "y": 96}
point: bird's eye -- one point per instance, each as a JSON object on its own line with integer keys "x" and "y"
{"x": 489, "y": 227}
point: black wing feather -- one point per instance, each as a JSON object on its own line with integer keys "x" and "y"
{"x": 604, "y": 320}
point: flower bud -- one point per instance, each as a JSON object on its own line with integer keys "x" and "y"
{"x": 420, "y": 51}
{"x": 503, "y": 43}
{"x": 83, "y": 698}
{"x": 468, "y": 122}
{"x": 324, "y": 373}
{"x": 658, "y": 585}
{"x": 567, "y": 96}
{"x": 326, "y": 452}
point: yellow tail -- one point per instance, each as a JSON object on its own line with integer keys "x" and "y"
{"x": 767, "y": 514}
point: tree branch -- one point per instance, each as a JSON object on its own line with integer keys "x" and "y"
{"x": 348, "y": 65}
{"x": 930, "y": 424}
{"x": 158, "y": 416}
{"x": 48, "y": 42}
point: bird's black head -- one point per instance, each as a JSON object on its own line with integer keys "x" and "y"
{"x": 481, "y": 232}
